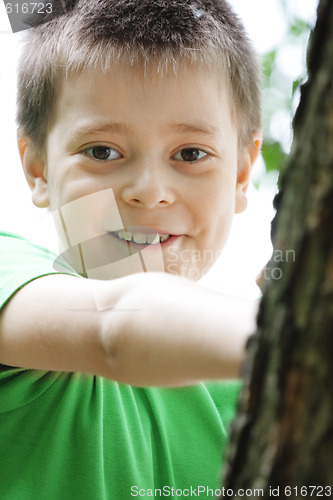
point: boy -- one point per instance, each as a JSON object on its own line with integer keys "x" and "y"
{"x": 139, "y": 123}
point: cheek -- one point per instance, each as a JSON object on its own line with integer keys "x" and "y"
{"x": 213, "y": 212}
{"x": 214, "y": 202}
{"x": 68, "y": 184}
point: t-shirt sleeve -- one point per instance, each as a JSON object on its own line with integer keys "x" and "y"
{"x": 22, "y": 261}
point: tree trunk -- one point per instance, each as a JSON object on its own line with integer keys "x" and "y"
{"x": 282, "y": 437}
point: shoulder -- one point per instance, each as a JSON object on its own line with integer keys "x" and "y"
{"x": 22, "y": 261}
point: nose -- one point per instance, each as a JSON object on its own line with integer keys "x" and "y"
{"x": 149, "y": 185}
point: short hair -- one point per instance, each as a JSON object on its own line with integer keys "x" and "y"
{"x": 153, "y": 34}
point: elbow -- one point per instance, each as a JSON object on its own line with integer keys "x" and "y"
{"x": 111, "y": 346}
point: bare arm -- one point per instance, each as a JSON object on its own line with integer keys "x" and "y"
{"x": 158, "y": 329}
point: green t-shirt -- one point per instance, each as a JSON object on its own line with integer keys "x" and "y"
{"x": 71, "y": 436}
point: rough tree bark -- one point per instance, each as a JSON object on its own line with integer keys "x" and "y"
{"x": 282, "y": 437}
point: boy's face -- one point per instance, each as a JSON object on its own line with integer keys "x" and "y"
{"x": 164, "y": 149}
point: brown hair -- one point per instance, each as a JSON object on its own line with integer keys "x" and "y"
{"x": 153, "y": 34}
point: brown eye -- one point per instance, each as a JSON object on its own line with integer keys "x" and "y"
{"x": 190, "y": 155}
{"x": 102, "y": 153}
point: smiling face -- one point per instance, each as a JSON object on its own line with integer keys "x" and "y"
{"x": 162, "y": 151}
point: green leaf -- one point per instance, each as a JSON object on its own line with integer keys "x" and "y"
{"x": 268, "y": 64}
{"x": 274, "y": 156}
{"x": 299, "y": 27}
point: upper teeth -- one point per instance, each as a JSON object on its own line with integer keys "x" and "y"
{"x": 142, "y": 238}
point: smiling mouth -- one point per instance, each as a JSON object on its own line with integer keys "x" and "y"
{"x": 141, "y": 238}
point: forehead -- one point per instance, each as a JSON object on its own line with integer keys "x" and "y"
{"x": 131, "y": 95}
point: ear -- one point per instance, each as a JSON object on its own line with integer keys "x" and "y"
{"x": 245, "y": 164}
{"x": 34, "y": 168}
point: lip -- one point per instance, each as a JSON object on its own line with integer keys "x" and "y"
{"x": 147, "y": 230}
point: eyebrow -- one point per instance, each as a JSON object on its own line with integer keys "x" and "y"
{"x": 201, "y": 128}
{"x": 98, "y": 127}
{"x": 197, "y": 128}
